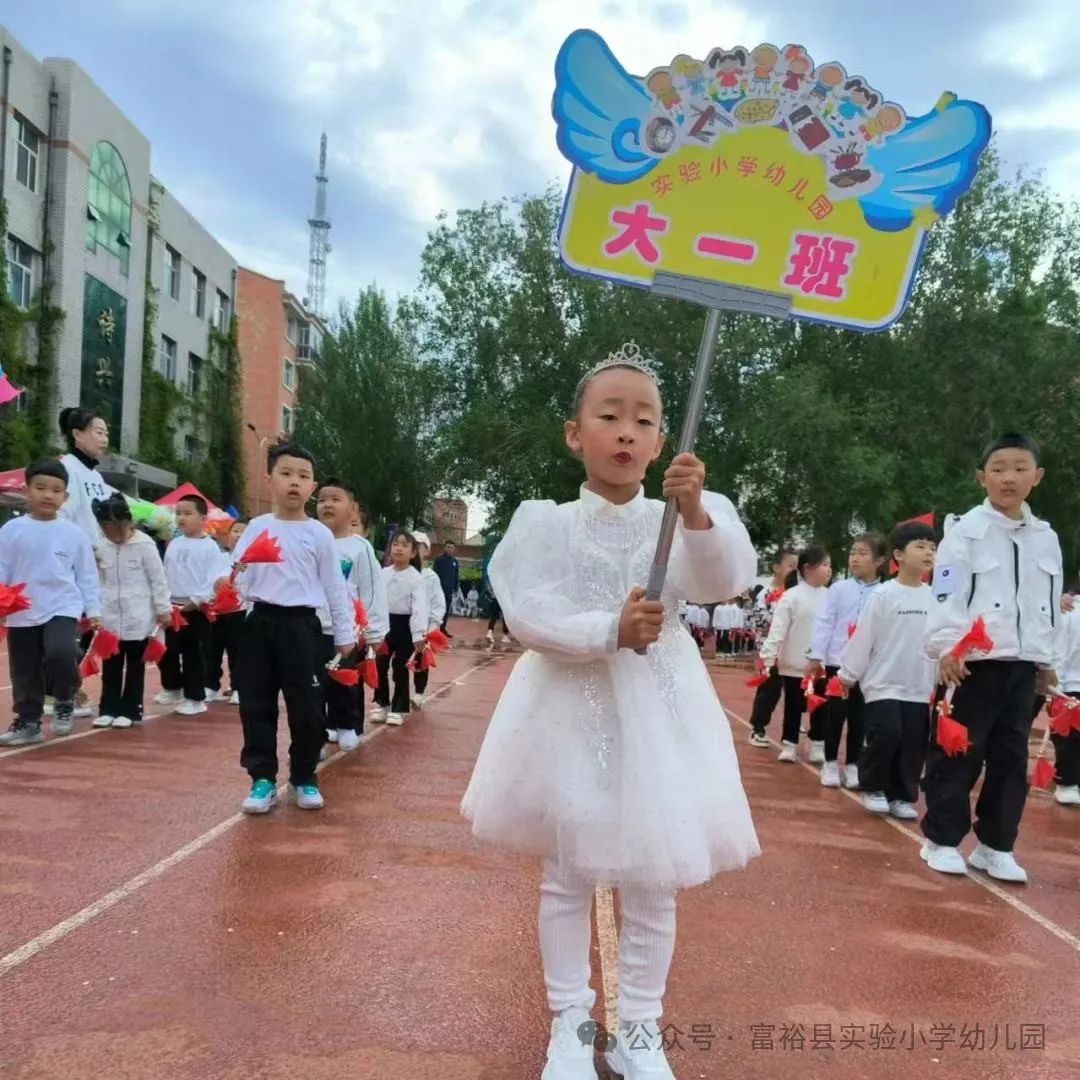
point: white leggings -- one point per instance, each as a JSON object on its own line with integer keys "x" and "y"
{"x": 646, "y": 943}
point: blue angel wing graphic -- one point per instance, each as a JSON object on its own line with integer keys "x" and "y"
{"x": 929, "y": 164}
{"x": 600, "y": 110}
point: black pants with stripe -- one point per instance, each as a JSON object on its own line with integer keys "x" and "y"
{"x": 995, "y": 704}
{"x": 896, "y": 736}
{"x": 765, "y": 701}
{"x": 280, "y": 649}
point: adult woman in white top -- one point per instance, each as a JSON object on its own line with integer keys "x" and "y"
{"x": 788, "y": 645}
{"x": 406, "y": 593}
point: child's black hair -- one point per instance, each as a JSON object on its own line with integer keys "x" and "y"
{"x": 197, "y": 501}
{"x": 76, "y": 419}
{"x": 782, "y": 553}
{"x": 415, "y": 560}
{"x": 288, "y": 449}
{"x": 1012, "y": 440}
{"x": 334, "y": 482}
{"x": 241, "y": 521}
{"x": 583, "y": 385}
{"x": 908, "y": 533}
{"x": 809, "y": 557}
{"x": 114, "y": 508}
{"x": 877, "y": 544}
{"x": 46, "y": 467}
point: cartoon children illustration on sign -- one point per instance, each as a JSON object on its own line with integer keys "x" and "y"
{"x": 728, "y": 68}
{"x": 799, "y": 66}
{"x": 888, "y": 119}
{"x": 691, "y": 73}
{"x": 663, "y": 89}
{"x": 826, "y": 79}
{"x": 765, "y": 58}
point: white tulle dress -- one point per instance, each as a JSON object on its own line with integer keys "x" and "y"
{"x": 620, "y": 767}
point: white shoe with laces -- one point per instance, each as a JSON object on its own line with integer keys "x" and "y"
{"x": 378, "y": 714}
{"x": 570, "y": 1050}
{"x": 817, "y": 752}
{"x": 104, "y": 721}
{"x": 122, "y": 722}
{"x": 851, "y": 776}
{"x": 875, "y": 802}
{"x": 211, "y": 695}
{"x": 789, "y": 752}
{"x": 943, "y": 859}
{"x": 347, "y": 739}
{"x": 759, "y": 738}
{"x": 1067, "y": 796}
{"x": 998, "y": 864}
{"x": 191, "y": 708}
{"x": 394, "y": 719}
{"x": 331, "y": 734}
{"x": 830, "y": 774}
{"x": 638, "y": 1054}
{"x": 905, "y": 811}
{"x": 168, "y": 697}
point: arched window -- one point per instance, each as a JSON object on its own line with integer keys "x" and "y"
{"x": 108, "y": 206}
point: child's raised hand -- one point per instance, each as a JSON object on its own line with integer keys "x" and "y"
{"x": 641, "y": 620}
{"x": 684, "y": 481}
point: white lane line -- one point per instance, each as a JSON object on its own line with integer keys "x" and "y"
{"x": 607, "y": 936}
{"x": 61, "y": 930}
{"x": 987, "y": 883}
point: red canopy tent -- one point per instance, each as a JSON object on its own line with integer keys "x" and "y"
{"x": 13, "y": 487}
{"x": 216, "y": 515}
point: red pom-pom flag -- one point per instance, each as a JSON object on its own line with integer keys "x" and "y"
{"x": 178, "y": 620}
{"x": 757, "y": 680}
{"x": 835, "y": 688}
{"x": 371, "y": 674}
{"x": 105, "y": 644}
{"x": 361, "y": 613}
{"x": 427, "y": 660}
{"x": 975, "y": 640}
{"x": 13, "y": 599}
{"x": 1044, "y": 774}
{"x": 1064, "y": 713}
{"x": 155, "y": 651}
{"x": 773, "y": 596}
{"x": 438, "y": 640}
{"x": 814, "y": 702}
{"x": 347, "y": 676}
{"x": 89, "y": 666}
{"x": 227, "y": 599}
{"x": 952, "y": 736}
{"x": 384, "y": 649}
{"x": 208, "y": 612}
{"x": 263, "y": 549}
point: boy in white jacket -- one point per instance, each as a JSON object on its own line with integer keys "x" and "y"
{"x": 134, "y": 604}
{"x": 885, "y": 657}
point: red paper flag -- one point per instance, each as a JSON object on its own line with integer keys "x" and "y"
{"x": 155, "y": 651}
{"x": 975, "y": 640}
{"x": 1064, "y": 713}
{"x": 1044, "y": 774}
{"x": 371, "y": 674}
{"x": 952, "y": 736}
{"x": 208, "y": 612}
{"x": 178, "y": 620}
{"x": 427, "y": 660}
{"x": 89, "y": 666}
{"x": 227, "y": 599}
{"x": 347, "y": 676}
{"x": 105, "y": 644}
{"x": 773, "y": 596}
{"x": 13, "y": 599}
{"x": 384, "y": 649}
{"x": 814, "y": 702}
{"x": 263, "y": 549}
{"x": 438, "y": 640}
{"x": 757, "y": 680}
{"x": 835, "y": 688}
{"x": 361, "y": 612}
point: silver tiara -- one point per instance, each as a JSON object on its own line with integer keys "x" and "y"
{"x": 627, "y": 356}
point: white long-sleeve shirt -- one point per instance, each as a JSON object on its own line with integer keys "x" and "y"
{"x": 309, "y": 576}
{"x": 192, "y": 565}
{"x": 843, "y": 603}
{"x": 1067, "y": 658}
{"x": 406, "y": 594}
{"x": 788, "y": 643}
{"x": 56, "y": 562}
{"x": 436, "y": 598}
{"x": 364, "y": 581}
{"x": 885, "y": 655}
{"x": 1010, "y": 573}
{"x": 85, "y": 484}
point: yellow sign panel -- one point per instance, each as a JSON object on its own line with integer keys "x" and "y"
{"x": 756, "y": 168}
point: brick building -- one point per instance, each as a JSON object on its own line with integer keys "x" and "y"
{"x": 450, "y": 520}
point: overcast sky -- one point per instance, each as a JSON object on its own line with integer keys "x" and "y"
{"x": 439, "y": 104}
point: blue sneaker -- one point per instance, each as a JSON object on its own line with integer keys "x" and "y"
{"x": 308, "y": 796}
{"x": 262, "y": 798}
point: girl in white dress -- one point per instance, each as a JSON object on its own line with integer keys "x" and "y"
{"x": 616, "y": 768}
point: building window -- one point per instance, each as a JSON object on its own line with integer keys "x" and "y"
{"x": 191, "y": 448}
{"x": 20, "y": 268}
{"x": 27, "y": 147}
{"x": 194, "y": 374}
{"x": 167, "y": 358}
{"x": 172, "y": 272}
{"x": 288, "y": 376}
{"x": 198, "y": 294}
{"x": 108, "y": 205}
{"x": 221, "y": 312}
{"x": 292, "y": 330}
{"x": 286, "y": 420}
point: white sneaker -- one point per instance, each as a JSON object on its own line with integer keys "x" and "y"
{"x": 211, "y": 695}
{"x": 168, "y": 697}
{"x": 875, "y": 802}
{"x": 122, "y": 722}
{"x": 331, "y": 734}
{"x": 506, "y": 640}
{"x": 347, "y": 739}
{"x": 395, "y": 719}
{"x": 638, "y": 1054}
{"x": 307, "y": 797}
{"x": 817, "y": 752}
{"x": 489, "y": 637}
{"x": 418, "y": 701}
{"x": 757, "y": 738}
{"x": 570, "y": 1051}
{"x": 851, "y": 776}
{"x": 262, "y": 799}
{"x": 191, "y": 708}
{"x": 378, "y": 714}
{"x": 830, "y": 774}
{"x": 1067, "y": 796}
{"x": 905, "y": 811}
{"x": 235, "y": 698}
{"x": 49, "y": 709}
{"x": 946, "y": 860}
{"x": 998, "y": 864}
{"x": 104, "y": 721}
{"x": 789, "y": 752}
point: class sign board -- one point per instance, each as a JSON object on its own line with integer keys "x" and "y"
{"x": 757, "y": 167}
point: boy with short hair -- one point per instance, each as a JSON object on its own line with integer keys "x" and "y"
{"x": 54, "y": 559}
{"x": 1001, "y": 563}
{"x": 281, "y": 647}
{"x": 337, "y": 509}
{"x": 885, "y": 658}
{"x": 192, "y": 565}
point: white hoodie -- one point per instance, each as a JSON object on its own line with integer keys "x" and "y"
{"x": 133, "y": 587}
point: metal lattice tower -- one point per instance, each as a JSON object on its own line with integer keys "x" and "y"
{"x": 320, "y": 240}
